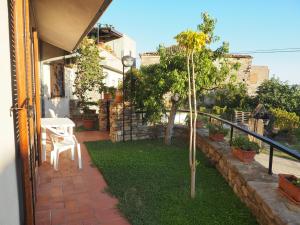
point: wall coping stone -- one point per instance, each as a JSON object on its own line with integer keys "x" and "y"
{"x": 251, "y": 182}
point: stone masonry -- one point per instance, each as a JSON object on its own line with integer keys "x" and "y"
{"x": 140, "y": 130}
{"x": 250, "y": 74}
{"x": 104, "y": 107}
{"x": 250, "y": 182}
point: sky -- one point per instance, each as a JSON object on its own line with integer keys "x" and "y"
{"x": 247, "y": 25}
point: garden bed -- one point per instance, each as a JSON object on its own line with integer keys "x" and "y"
{"x": 152, "y": 183}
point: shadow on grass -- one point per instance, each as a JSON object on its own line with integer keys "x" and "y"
{"x": 152, "y": 182}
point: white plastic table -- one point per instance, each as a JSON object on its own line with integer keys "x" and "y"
{"x": 63, "y": 123}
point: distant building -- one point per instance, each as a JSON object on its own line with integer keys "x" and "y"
{"x": 252, "y": 75}
{"x": 58, "y": 78}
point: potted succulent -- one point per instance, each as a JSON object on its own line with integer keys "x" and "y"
{"x": 217, "y": 132}
{"x": 290, "y": 186}
{"x": 243, "y": 149}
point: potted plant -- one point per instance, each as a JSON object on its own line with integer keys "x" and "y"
{"x": 201, "y": 121}
{"x": 109, "y": 92}
{"x": 88, "y": 80}
{"x": 118, "y": 96}
{"x": 290, "y": 186}
{"x": 89, "y": 115}
{"x": 217, "y": 132}
{"x": 243, "y": 149}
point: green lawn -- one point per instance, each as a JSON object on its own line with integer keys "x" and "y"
{"x": 151, "y": 181}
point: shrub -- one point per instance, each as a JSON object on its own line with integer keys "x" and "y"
{"x": 296, "y": 182}
{"x": 202, "y": 109}
{"x": 219, "y": 110}
{"x": 217, "y": 129}
{"x": 285, "y": 120}
{"x": 243, "y": 143}
{"x": 202, "y": 118}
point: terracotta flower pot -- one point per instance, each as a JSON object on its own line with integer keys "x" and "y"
{"x": 88, "y": 123}
{"x": 199, "y": 124}
{"x": 119, "y": 96}
{"x": 244, "y": 156}
{"x": 289, "y": 189}
{"x": 107, "y": 96}
{"x": 216, "y": 137}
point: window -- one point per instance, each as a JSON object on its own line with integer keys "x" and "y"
{"x": 57, "y": 80}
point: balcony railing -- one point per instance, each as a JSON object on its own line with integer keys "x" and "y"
{"x": 273, "y": 144}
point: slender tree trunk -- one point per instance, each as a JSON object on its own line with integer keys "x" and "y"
{"x": 190, "y": 109}
{"x": 170, "y": 124}
{"x": 193, "y": 175}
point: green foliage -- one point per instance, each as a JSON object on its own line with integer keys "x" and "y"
{"x": 235, "y": 96}
{"x": 201, "y": 118}
{"x": 285, "y": 120}
{"x": 217, "y": 129}
{"x": 159, "y": 83}
{"x": 89, "y": 75}
{"x": 219, "y": 110}
{"x": 296, "y": 182}
{"x": 151, "y": 182}
{"x": 274, "y": 93}
{"x": 243, "y": 143}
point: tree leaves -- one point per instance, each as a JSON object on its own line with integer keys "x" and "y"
{"x": 89, "y": 75}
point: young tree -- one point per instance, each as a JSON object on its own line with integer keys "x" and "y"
{"x": 192, "y": 42}
{"x": 89, "y": 75}
{"x": 206, "y": 75}
{"x": 191, "y": 66}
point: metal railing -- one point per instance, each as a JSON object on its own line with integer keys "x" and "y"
{"x": 273, "y": 144}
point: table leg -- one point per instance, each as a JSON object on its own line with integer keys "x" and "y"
{"x": 44, "y": 144}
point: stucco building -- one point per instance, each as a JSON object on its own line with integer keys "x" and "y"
{"x": 112, "y": 44}
{"x": 252, "y": 75}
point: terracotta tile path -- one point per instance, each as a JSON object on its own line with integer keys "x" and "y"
{"x": 71, "y": 196}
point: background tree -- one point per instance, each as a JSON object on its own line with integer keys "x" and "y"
{"x": 234, "y": 96}
{"x": 89, "y": 74}
{"x": 274, "y": 93}
{"x": 162, "y": 87}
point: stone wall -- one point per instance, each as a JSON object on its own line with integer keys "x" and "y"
{"x": 140, "y": 130}
{"x": 104, "y": 107}
{"x": 250, "y": 182}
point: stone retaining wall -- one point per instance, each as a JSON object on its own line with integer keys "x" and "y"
{"x": 140, "y": 130}
{"x": 250, "y": 182}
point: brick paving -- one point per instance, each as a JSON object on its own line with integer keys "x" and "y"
{"x": 71, "y": 196}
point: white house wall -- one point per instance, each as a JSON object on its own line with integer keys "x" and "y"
{"x": 123, "y": 46}
{"x": 60, "y": 105}
{"x": 112, "y": 78}
{"x": 9, "y": 205}
{"x": 112, "y": 69}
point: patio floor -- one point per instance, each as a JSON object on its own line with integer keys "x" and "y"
{"x": 71, "y": 196}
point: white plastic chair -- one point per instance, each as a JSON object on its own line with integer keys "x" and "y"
{"x": 63, "y": 141}
{"x": 52, "y": 113}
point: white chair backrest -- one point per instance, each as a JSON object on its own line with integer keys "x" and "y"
{"x": 52, "y": 113}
